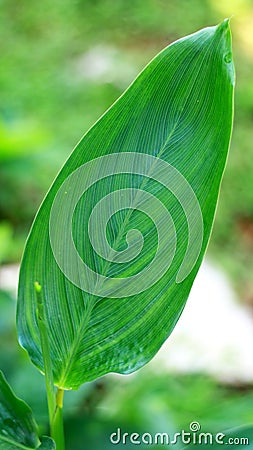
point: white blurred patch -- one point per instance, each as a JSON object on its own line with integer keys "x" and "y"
{"x": 9, "y": 278}
{"x": 214, "y": 334}
{"x": 105, "y": 64}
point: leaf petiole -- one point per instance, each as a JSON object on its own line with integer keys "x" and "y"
{"x": 58, "y": 428}
{"x": 54, "y": 400}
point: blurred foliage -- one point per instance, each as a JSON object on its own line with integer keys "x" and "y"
{"x": 62, "y": 64}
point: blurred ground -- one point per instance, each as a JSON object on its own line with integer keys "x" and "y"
{"x": 214, "y": 334}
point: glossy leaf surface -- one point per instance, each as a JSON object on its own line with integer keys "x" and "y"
{"x": 161, "y": 147}
{"x": 18, "y": 429}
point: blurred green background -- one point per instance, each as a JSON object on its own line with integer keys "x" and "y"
{"x": 63, "y": 63}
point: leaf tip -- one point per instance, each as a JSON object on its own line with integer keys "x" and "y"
{"x": 223, "y": 32}
{"x": 224, "y": 25}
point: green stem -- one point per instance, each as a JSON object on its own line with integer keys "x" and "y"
{"x": 54, "y": 401}
{"x": 58, "y": 429}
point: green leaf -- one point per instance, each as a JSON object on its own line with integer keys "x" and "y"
{"x": 115, "y": 268}
{"x": 18, "y": 429}
{"x": 47, "y": 443}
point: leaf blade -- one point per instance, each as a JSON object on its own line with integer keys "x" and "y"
{"x": 167, "y": 113}
{"x": 18, "y": 429}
